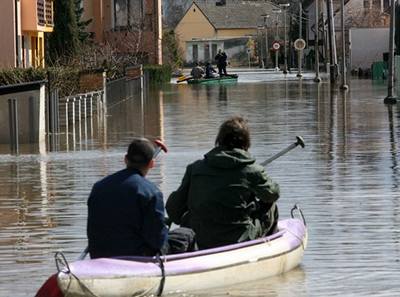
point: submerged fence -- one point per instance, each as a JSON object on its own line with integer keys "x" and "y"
{"x": 32, "y": 114}
{"x": 83, "y": 117}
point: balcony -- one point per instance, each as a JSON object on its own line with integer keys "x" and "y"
{"x": 37, "y": 16}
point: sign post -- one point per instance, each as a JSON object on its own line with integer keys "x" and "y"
{"x": 299, "y": 45}
{"x": 276, "y": 46}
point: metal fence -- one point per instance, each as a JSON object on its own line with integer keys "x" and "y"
{"x": 81, "y": 116}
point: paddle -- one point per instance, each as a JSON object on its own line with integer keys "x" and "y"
{"x": 299, "y": 141}
{"x": 183, "y": 78}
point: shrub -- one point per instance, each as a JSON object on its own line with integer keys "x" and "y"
{"x": 158, "y": 73}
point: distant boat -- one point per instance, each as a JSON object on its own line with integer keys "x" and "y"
{"x": 188, "y": 272}
{"x": 230, "y": 78}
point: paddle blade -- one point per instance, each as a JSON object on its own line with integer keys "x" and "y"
{"x": 183, "y": 78}
{"x": 50, "y": 288}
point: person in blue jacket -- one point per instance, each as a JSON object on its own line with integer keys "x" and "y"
{"x": 126, "y": 212}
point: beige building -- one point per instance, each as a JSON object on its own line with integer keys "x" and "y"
{"x": 132, "y": 26}
{"x": 233, "y": 26}
{"x": 24, "y": 24}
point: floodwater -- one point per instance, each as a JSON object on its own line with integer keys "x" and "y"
{"x": 346, "y": 180}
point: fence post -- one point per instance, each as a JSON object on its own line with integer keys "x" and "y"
{"x": 66, "y": 124}
{"x": 105, "y": 93}
{"x": 13, "y": 124}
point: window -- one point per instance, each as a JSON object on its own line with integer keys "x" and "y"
{"x": 207, "y": 53}
{"x": 213, "y": 50}
{"x": 128, "y": 13}
{"x": 195, "y": 53}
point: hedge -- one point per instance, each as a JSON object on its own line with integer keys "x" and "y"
{"x": 158, "y": 73}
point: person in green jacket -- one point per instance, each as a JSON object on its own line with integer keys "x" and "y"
{"x": 226, "y": 197}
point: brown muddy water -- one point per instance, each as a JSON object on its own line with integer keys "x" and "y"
{"x": 346, "y": 180}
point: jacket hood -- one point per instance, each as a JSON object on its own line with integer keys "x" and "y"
{"x": 221, "y": 158}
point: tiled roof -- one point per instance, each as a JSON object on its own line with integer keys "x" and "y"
{"x": 237, "y": 14}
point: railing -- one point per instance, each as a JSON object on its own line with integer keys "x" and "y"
{"x": 77, "y": 114}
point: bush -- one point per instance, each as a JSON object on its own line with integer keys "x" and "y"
{"x": 14, "y": 76}
{"x": 158, "y": 73}
{"x": 66, "y": 79}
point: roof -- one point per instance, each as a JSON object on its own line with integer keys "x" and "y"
{"x": 236, "y": 14}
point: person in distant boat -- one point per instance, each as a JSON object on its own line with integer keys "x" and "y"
{"x": 197, "y": 72}
{"x": 226, "y": 197}
{"x": 221, "y": 59}
{"x": 209, "y": 71}
{"x": 126, "y": 212}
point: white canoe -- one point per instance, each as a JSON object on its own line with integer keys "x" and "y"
{"x": 189, "y": 272}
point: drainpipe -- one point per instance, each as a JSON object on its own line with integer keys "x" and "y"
{"x": 16, "y": 33}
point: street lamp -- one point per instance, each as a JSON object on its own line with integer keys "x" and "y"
{"x": 265, "y": 16}
{"x": 276, "y": 11}
{"x": 284, "y": 7}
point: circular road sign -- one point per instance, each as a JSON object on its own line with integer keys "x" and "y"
{"x": 275, "y": 45}
{"x": 299, "y": 44}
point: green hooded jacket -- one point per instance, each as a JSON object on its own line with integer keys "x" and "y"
{"x": 218, "y": 195}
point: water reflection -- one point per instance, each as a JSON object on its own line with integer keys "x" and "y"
{"x": 346, "y": 180}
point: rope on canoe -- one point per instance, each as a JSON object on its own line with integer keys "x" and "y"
{"x": 61, "y": 260}
{"x": 162, "y": 281}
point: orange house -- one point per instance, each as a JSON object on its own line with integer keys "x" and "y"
{"x": 23, "y": 26}
{"x": 132, "y": 26}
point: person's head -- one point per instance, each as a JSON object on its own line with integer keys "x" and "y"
{"x": 208, "y": 64}
{"x": 234, "y": 133}
{"x": 140, "y": 155}
{"x": 220, "y": 51}
{"x": 196, "y": 64}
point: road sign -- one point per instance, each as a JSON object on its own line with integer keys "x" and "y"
{"x": 275, "y": 45}
{"x": 299, "y": 44}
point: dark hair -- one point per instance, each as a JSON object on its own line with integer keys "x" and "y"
{"x": 140, "y": 152}
{"x": 234, "y": 133}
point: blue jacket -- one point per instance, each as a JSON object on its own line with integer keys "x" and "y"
{"x": 125, "y": 216}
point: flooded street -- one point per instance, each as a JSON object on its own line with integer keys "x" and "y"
{"x": 346, "y": 180}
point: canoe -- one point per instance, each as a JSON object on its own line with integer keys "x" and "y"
{"x": 189, "y": 272}
{"x": 231, "y": 78}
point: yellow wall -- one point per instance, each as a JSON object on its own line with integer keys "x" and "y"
{"x": 193, "y": 24}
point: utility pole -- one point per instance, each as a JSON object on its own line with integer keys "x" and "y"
{"x": 332, "y": 43}
{"x": 344, "y": 85}
{"x": 275, "y": 10}
{"x": 316, "y": 42}
{"x": 391, "y": 98}
{"x": 300, "y": 52}
{"x": 285, "y": 6}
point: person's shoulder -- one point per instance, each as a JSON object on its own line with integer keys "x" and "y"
{"x": 109, "y": 178}
{"x": 145, "y": 186}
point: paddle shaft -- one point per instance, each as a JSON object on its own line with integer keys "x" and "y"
{"x": 299, "y": 141}
{"x": 160, "y": 147}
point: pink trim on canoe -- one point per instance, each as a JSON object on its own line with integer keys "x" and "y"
{"x": 212, "y": 250}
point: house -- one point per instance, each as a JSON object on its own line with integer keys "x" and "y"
{"x": 24, "y": 24}
{"x": 131, "y": 26}
{"x": 362, "y": 19}
{"x": 234, "y": 26}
